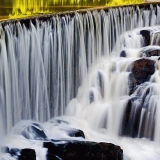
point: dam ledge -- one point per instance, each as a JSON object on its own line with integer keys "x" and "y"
{"x": 25, "y": 19}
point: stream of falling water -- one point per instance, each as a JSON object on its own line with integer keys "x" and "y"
{"x": 83, "y": 62}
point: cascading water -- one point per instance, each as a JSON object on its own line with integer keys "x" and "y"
{"x": 87, "y": 61}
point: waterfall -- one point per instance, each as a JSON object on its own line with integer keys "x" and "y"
{"x": 82, "y": 62}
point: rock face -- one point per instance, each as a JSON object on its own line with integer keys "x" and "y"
{"x": 78, "y": 150}
{"x": 141, "y": 71}
{"x": 123, "y": 53}
{"x": 146, "y": 37}
{"x": 151, "y": 52}
{"x": 136, "y": 105}
{"x": 24, "y": 154}
{"x": 72, "y": 150}
{"x": 65, "y": 148}
{"x": 27, "y": 154}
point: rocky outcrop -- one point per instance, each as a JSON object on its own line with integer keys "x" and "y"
{"x": 141, "y": 71}
{"x": 27, "y": 154}
{"x": 72, "y": 150}
{"x": 146, "y": 36}
{"x": 151, "y": 52}
{"x": 64, "y": 148}
{"x": 133, "y": 123}
{"x": 78, "y": 150}
{"x": 24, "y": 154}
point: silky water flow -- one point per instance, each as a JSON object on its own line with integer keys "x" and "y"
{"x": 78, "y": 69}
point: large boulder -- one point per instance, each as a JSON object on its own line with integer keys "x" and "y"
{"x": 142, "y": 69}
{"x": 141, "y": 72}
{"x": 146, "y": 36}
{"x": 78, "y": 150}
{"x": 27, "y": 154}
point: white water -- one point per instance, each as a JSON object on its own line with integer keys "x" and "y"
{"x": 42, "y": 68}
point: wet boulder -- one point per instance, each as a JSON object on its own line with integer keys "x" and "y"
{"x": 24, "y": 154}
{"x": 138, "y": 116}
{"x": 142, "y": 69}
{"x": 123, "y": 53}
{"x": 27, "y": 154}
{"x": 76, "y": 133}
{"x": 151, "y": 52}
{"x": 34, "y": 131}
{"x": 146, "y": 36}
{"x": 78, "y": 150}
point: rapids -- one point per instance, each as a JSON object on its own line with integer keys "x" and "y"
{"x": 79, "y": 68}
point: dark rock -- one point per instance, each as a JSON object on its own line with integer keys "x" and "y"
{"x": 151, "y": 52}
{"x": 24, "y": 154}
{"x": 76, "y": 133}
{"x": 52, "y": 157}
{"x": 34, "y": 132}
{"x": 123, "y": 54}
{"x": 27, "y": 154}
{"x": 125, "y": 131}
{"x": 131, "y": 83}
{"x": 131, "y": 119}
{"x": 138, "y": 118}
{"x": 146, "y": 37}
{"x": 78, "y": 150}
{"x": 142, "y": 69}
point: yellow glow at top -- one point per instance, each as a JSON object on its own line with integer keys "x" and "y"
{"x": 124, "y": 2}
{"x": 21, "y": 8}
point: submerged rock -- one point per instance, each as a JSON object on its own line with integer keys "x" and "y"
{"x": 139, "y": 114}
{"x": 123, "y": 53}
{"x": 34, "y": 131}
{"x": 156, "y": 39}
{"x": 78, "y": 150}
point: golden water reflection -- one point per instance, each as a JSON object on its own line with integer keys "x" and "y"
{"x": 21, "y": 8}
